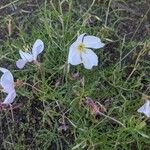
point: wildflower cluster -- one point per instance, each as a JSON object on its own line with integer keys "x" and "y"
{"x": 80, "y": 52}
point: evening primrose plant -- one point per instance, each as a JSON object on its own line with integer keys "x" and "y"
{"x": 80, "y": 51}
{"x": 37, "y": 48}
{"x": 8, "y": 86}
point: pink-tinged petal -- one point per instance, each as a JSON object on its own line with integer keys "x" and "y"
{"x": 145, "y": 109}
{"x": 38, "y": 47}
{"x": 89, "y": 59}
{"x": 28, "y": 57}
{"x": 20, "y": 63}
{"x": 74, "y": 57}
{"x": 7, "y": 82}
{"x": 92, "y": 42}
{"x": 10, "y": 97}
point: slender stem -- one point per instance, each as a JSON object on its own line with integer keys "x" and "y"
{"x": 12, "y": 114}
{"x": 32, "y": 87}
{"x": 107, "y": 13}
{"x": 112, "y": 119}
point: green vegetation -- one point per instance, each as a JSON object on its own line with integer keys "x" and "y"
{"x": 54, "y": 97}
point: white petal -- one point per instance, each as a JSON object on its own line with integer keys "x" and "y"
{"x": 74, "y": 56}
{"x": 80, "y": 38}
{"x": 9, "y": 74}
{"x": 3, "y": 70}
{"x": 89, "y": 59}
{"x": 92, "y": 42}
{"x": 20, "y": 63}
{"x": 38, "y": 47}
{"x": 145, "y": 109}
{"x": 26, "y": 56}
{"x": 10, "y": 97}
{"x": 7, "y": 82}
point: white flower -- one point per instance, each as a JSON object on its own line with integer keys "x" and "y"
{"x": 80, "y": 51}
{"x": 145, "y": 108}
{"x": 37, "y": 48}
{"x": 7, "y": 83}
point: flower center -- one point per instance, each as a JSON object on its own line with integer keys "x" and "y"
{"x": 81, "y": 47}
{"x": 26, "y": 48}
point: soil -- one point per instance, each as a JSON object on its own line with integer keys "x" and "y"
{"x": 15, "y": 11}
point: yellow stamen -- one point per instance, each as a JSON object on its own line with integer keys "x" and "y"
{"x": 81, "y": 47}
{"x": 26, "y": 48}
